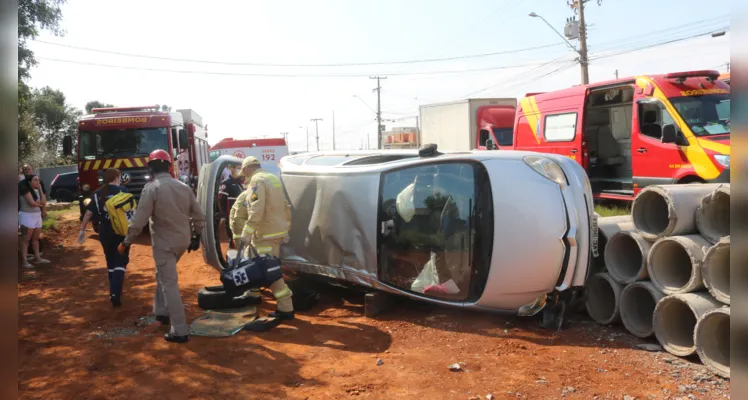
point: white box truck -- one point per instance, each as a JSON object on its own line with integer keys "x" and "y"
{"x": 468, "y": 124}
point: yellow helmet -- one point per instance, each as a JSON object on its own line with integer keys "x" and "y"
{"x": 250, "y": 161}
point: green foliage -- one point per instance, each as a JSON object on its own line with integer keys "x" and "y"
{"x": 611, "y": 210}
{"x": 46, "y": 119}
{"x": 96, "y": 104}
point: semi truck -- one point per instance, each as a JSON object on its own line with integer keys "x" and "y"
{"x": 123, "y": 137}
{"x": 469, "y": 124}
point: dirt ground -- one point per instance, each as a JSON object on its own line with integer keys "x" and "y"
{"x": 74, "y": 345}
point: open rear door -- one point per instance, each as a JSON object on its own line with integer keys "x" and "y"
{"x": 214, "y": 240}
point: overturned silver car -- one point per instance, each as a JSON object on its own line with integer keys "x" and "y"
{"x": 488, "y": 230}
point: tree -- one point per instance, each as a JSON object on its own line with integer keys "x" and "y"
{"x": 33, "y": 16}
{"x": 46, "y": 121}
{"x": 96, "y": 104}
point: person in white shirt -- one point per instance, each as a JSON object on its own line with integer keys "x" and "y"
{"x": 32, "y": 202}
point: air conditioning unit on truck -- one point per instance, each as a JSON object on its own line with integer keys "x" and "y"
{"x": 468, "y": 124}
{"x": 123, "y": 137}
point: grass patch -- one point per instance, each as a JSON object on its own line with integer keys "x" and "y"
{"x": 53, "y": 216}
{"x": 607, "y": 210}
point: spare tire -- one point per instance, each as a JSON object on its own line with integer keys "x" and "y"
{"x": 209, "y": 298}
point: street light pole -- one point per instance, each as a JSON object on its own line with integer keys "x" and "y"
{"x": 582, "y": 52}
{"x": 316, "y": 128}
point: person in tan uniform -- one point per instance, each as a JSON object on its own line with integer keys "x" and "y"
{"x": 237, "y": 219}
{"x": 176, "y": 220}
{"x": 268, "y": 220}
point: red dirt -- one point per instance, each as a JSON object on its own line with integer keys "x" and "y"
{"x": 73, "y": 345}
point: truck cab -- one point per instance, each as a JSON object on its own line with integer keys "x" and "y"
{"x": 634, "y": 132}
{"x": 123, "y": 137}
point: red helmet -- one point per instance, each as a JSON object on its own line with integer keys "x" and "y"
{"x": 159, "y": 154}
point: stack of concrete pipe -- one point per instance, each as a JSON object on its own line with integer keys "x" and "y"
{"x": 667, "y": 271}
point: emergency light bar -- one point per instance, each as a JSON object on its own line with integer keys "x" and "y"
{"x": 681, "y": 76}
{"x": 116, "y": 109}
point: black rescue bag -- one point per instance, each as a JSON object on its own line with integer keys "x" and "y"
{"x": 250, "y": 273}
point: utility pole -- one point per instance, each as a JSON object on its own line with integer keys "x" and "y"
{"x": 616, "y": 74}
{"x": 378, "y": 89}
{"x": 316, "y": 128}
{"x": 333, "y": 129}
{"x": 583, "y": 44}
{"x": 285, "y": 137}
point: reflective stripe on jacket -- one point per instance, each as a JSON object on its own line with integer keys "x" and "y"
{"x": 268, "y": 211}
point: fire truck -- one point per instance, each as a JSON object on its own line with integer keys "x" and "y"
{"x": 123, "y": 137}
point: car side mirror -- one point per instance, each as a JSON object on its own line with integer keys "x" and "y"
{"x": 669, "y": 134}
{"x": 67, "y": 146}
{"x": 490, "y": 145}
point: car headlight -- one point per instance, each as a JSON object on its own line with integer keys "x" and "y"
{"x": 723, "y": 160}
{"x": 86, "y": 187}
{"x": 546, "y": 167}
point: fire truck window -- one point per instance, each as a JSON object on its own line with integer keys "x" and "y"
{"x": 183, "y": 139}
{"x": 652, "y": 116}
{"x": 122, "y": 142}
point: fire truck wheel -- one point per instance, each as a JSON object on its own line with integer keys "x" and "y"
{"x": 219, "y": 300}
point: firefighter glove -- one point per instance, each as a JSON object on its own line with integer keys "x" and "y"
{"x": 194, "y": 242}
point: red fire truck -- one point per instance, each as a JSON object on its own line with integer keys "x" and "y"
{"x": 123, "y": 137}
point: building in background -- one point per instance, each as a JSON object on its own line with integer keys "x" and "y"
{"x": 400, "y": 138}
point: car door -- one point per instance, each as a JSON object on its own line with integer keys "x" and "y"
{"x": 652, "y": 161}
{"x": 213, "y": 241}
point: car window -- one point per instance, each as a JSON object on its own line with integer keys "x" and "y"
{"x": 430, "y": 208}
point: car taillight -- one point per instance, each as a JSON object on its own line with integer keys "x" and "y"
{"x": 54, "y": 180}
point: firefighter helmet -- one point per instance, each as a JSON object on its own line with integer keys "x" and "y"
{"x": 250, "y": 161}
{"x": 159, "y": 154}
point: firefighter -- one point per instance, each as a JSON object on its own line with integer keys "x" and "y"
{"x": 236, "y": 222}
{"x": 176, "y": 220}
{"x": 231, "y": 187}
{"x": 268, "y": 221}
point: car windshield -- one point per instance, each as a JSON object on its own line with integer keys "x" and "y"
{"x": 122, "y": 142}
{"x": 706, "y": 114}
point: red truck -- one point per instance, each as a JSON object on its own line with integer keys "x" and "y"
{"x": 123, "y": 137}
{"x": 633, "y": 132}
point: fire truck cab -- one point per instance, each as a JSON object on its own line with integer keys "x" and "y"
{"x": 123, "y": 137}
{"x": 634, "y": 132}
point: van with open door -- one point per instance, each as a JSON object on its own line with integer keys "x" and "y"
{"x": 634, "y": 132}
{"x": 504, "y": 231}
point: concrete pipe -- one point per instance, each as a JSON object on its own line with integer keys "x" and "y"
{"x": 715, "y": 270}
{"x": 712, "y": 339}
{"x": 606, "y": 228}
{"x": 638, "y": 302}
{"x": 675, "y": 320}
{"x": 674, "y": 263}
{"x": 603, "y": 296}
{"x": 626, "y": 257}
{"x": 668, "y": 210}
{"x": 713, "y": 215}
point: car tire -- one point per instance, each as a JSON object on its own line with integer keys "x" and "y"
{"x": 64, "y": 196}
{"x": 219, "y": 300}
{"x": 305, "y": 297}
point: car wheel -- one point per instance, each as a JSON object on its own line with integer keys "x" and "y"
{"x": 219, "y": 300}
{"x": 64, "y": 196}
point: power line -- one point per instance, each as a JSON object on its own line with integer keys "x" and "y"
{"x": 349, "y": 64}
{"x": 658, "y": 44}
{"x": 261, "y": 74}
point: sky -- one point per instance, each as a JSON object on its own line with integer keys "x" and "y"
{"x": 259, "y": 70}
